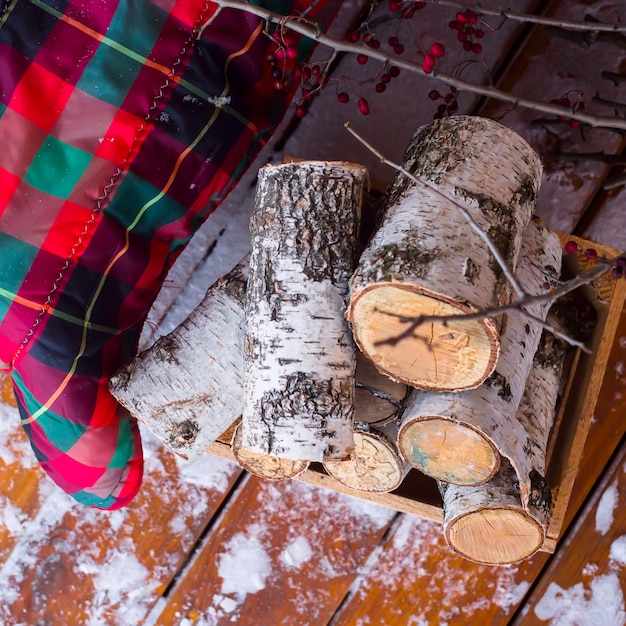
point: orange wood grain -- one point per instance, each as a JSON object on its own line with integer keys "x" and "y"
{"x": 285, "y": 553}
{"x": 587, "y": 577}
{"x": 6, "y": 390}
{"x": 75, "y": 565}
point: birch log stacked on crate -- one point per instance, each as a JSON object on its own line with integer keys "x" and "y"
{"x": 299, "y": 354}
{"x": 459, "y": 437}
{"x": 187, "y": 388}
{"x": 426, "y": 259}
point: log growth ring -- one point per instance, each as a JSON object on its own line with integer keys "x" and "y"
{"x": 448, "y": 450}
{"x": 497, "y": 536}
{"x": 458, "y": 356}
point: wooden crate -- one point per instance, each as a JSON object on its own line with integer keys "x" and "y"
{"x": 418, "y": 494}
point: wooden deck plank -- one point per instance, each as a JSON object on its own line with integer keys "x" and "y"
{"x": 284, "y": 554}
{"x": 75, "y": 565}
{"x": 585, "y": 581}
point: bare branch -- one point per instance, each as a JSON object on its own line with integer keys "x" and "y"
{"x": 305, "y": 28}
{"x": 535, "y": 19}
{"x": 506, "y": 270}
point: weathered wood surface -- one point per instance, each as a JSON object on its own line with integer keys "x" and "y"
{"x": 299, "y": 354}
{"x": 426, "y": 259}
{"x": 284, "y": 553}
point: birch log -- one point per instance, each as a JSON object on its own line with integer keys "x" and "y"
{"x": 378, "y": 399}
{"x": 375, "y": 465}
{"x": 265, "y": 465}
{"x": 576, "y": 317}
{"x": 299, "y": 354}
{"x": 459, "y": 437}
{"x": 425, "y": 259}
{"x": 188, "y": 388}
{"x": 487, "y": 523}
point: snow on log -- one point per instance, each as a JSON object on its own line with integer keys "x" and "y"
{"x": 377, "y": 399}
{"x": 375, "y": 465}
{"x": 425, "y": 259}
{"x": 487, "y": 523}
{"x": 299, "y": 353}
{"x": 265, "y": 465}
{"x": 188, "y": 387}
{"x": 459, "y": 437}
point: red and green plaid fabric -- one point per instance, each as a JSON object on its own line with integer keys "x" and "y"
{"x": 120, "y": 131}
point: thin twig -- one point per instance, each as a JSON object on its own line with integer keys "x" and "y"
{"x": 305, "y": 28}
{"x": 534, "y": 19}
{"x": 506, "y": 270}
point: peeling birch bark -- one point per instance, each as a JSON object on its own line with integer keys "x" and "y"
{"x": 375, "y": 465}
{"x": 187, "y": 388}
{"x": 459, "y": 437}
{"x": 425, "y": 259}
{"x": 378, "y": 399}
{"x": 487, "y": 523}
{"x": 265, "y": 465}
{"x": 299, "y": 353}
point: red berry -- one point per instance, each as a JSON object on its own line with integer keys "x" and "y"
{"x": 306, "y": 73}
{"x": 434, "y": 94}
{"x": 395, "y": 5}
{"x": 571, "y": 247}
{"x": 364, "y": 106}
{"x": 343, "y": 97}
{"x": 393, "y": 41}
{"x": 437, "y": 50}
{"x": 428, "y": 69}
{"x": 300, "y": 111}
{"x": 462, "y": 36}
{"x": 430, "y": 59}
{"x": 361, "y": 59}
{"x": 354, "y": 37}
{"x": 591, "y": 254}
{"x": 373, "y": 43}
{"x": 441, "y": 108}
{"x": 420, "y": 5}
{"x": 460, "y": 26}
{"x": 380, "y": 87}
{"x": 292, "y": 53}
{"x": 452, "y": 24}
{"x": 461, "y": 17}
{"x": 315, "y": 70}
{"x": 394, "y": 71}
{"x": 469, "y": 30}
{"x": 280, "y": 54}
{"x": 477, "y": 48}
{"x": 565, "y": 102}
{"x": 479, "y": 33}
{"x": 574, "y": 123}
{"x": 385, "y": 78}
{"x": 408, "y": 13}
{"x": 472, "y": 18}
{"x": 580, "y": 106}
{"x": 399, "y": 49}
{"x": 468, "y": 46}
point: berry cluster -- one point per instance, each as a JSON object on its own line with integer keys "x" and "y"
{"x": 619, "y": 268}
{"x": 578, "y": 106}
{"x": 408, "y": 8}
{"x": 431, "y": 57}
{"x": 449, "y": 105}
{"x": 465, "y": 24}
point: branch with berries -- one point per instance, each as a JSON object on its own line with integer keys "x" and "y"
{"x": 465, "y": 23}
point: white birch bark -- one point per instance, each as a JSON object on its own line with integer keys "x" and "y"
{"x": 299, "y": 354}
{"x": 188, "y": 387}
{"x": 458, "y": 437}
{"x": 375, "y": 465}
{"x": 426, "y": 259}
{"x": 488, "y": 524}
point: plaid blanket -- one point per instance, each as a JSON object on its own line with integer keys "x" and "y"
{"x": 120, "y": 131}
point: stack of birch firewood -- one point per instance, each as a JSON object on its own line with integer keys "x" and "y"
{"x": 376, "y": 361}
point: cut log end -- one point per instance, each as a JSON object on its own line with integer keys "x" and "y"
{"x": 448, "y": 451}
{"x": 472, "y": 535}
{"x": 375, "y": 466}
{"x": 265, "y": 465}
{"x": 460, "y": 355}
